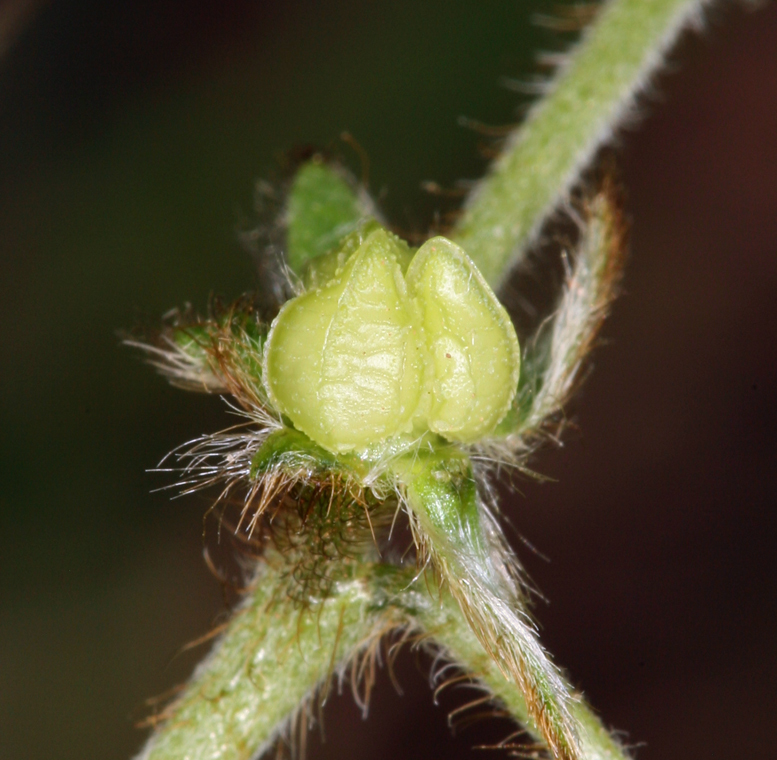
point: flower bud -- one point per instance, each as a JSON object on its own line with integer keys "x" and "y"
{"x": 370, "y": 353}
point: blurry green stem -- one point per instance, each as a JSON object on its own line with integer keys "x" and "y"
{"x": 592, "y": 94}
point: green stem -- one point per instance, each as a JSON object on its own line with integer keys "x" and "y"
{"x": 267, "y": 666}
{"x": 590, "y": 97}
{"x": 445, "y": 623}
{"x": 452, "y": 529}
{"x": 273, "y": 656}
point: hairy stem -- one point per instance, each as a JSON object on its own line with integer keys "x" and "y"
{"x": 441, "y": 618}
{"x": 266, "y": 668}
{"x": 592, "y": 94}
{"x": 454, "y": 530}
{"x": 274, "y": 659}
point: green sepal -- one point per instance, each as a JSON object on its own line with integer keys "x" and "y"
{"x": 323, "y": 206}
{"x": 192, "y": 340}
{"x": 236, "y": 331}
{"x": 291, "y": 449}
{"x": 441, "y": 486}
{"x": 249, "y": 338}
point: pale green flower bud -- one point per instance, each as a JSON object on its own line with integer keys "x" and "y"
{"x": 369, "y": 353}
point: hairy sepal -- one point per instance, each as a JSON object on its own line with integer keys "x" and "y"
{"x": 219, "y": 354}
{"x": 555, "y": 358}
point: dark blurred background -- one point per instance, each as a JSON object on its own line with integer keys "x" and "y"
{"x": 131, "y": 135}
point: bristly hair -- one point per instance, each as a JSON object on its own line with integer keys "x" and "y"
{"x": 490, "y": 593}
{"x": 488, "y": 590}
{"x": 219, "y": 354}
{"x": 556, "y": 358}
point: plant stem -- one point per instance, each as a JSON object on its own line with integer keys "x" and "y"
{"x": 441, "y": 618}
{"x": 591, "y": 95}
{"x": 452, "y": 531}
{"x": 266, "y": 667}
{"x": 268, "y": 664}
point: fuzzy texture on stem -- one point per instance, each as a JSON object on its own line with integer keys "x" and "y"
{"x": 260, "y": 685}
{"x": 443, "y": 621}
{"x": 458, "y": 536}
{"x": 264, "y": 671}
{"x": 593, "y": 94}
